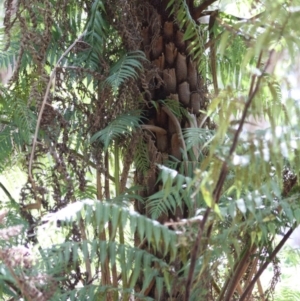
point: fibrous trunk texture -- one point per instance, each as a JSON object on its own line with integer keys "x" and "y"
{"x": 172, "y": 75}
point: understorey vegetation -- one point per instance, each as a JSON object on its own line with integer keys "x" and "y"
{"x": 160, "y": 145}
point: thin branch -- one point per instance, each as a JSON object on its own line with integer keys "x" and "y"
{"x": 252, "y": 93}
{"x": 197, "y": 11}
{"x": 213, "y": 56}
{"x": 221, "y": 180}
{"x": 194, "y": 255}
{"x": 267, "y": 262}
{"x": 8, "y": 194}
{"x": 238, "y": 272}
{"x": 52, "y": 77}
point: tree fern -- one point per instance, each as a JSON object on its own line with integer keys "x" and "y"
{"x": 228, "y": 195}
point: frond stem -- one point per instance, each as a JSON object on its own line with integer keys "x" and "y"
{"x": 178, "y": 129}
{"x": 154, "y": 128}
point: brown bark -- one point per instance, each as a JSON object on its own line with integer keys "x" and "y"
{"x": 174, "y": 76}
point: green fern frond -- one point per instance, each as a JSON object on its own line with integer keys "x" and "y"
{"x": 6, "y": 146}
{"x": 70, "y": 252}
{"x": 17, "y": 124}
{"x": 232, "y": 51}
{"x": 275, "y": 89}
{"x": 163, "y": 202}
{"x": 141, "y": 158}
{"x": 191, "y": 30}
{"x": 174, "y": 194}
{"x": 7, "y": 57}
{"x": 96, "y": 27}
{"x": 287, "y": 293}
{"x": 99, "y": 293}
{"x": 196, "y": 137}
{"x": 90, "y": 191}
{"x": 161, "y": 238}
{"x": 125, "y": 199}
{"x": 125, "y": 68}
{"x": 24, "y": 120}
{"x": 123, "y": 125}
{"x": 175, "y": 106}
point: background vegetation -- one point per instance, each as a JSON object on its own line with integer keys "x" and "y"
{"x": 157, "y": 146}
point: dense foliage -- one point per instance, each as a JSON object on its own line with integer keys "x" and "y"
{"x": 133, "y": 122}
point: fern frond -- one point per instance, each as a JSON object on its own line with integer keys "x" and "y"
{"x": 125, "y": 199}
{"x": 175, "y": 106}
{"x": 174, "y": 194}
{"x": 6, "y": 146}
{"x": 125, "y": 68}
{"x": 24, "y": 120}
{"x": 122, "y": 125}
{"x": 99, "y": 292}
{"x": 196, "y": 137}
{"x": 141, "y": 158}
{"x": 191, "y": 30}
{"x": 96, "y": 27}
{"x": 162, "y": 202}
{"x": 162, "y": 238}
{"x": 287, "y": 293}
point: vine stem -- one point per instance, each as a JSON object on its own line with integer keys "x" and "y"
{"x": 52, "y": 77}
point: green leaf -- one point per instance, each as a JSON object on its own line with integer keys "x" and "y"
{"x": 121, "y": 126}
{"x": 127, "y": 67}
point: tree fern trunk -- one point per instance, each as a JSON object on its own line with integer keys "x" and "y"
{"x": 173, "y": 75}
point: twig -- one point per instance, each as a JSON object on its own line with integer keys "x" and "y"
{"x": 194, "y": 255}
{"x": 197, "y": 11}
{"x": 52, "y": 76}
{"x": 266, "y": 263}
{"x": 252, "y": 94}
{"x": 213, "y": 56}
